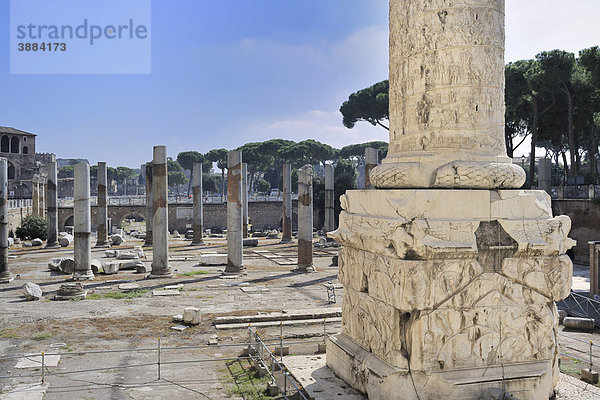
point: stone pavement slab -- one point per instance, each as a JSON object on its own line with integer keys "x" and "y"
{"x": 30, "y": 391}
{"x": 36, "y": 362}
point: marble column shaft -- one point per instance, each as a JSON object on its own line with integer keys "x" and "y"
{"x": 82, "y": 222}
{"x": 287, "y": 203}
{"x": 245, "y": 199}
{"x": 5, "y": 275}
{"x": 102, "y": 240}
{"x": 160, "y": 221}
{"x": 234, "y": 213}
{"x": 52, "y": 206}
{"x": 305, "y": 219}
{"x": 198, "y": 217}
{"x": 149, "y": 205}
{"x": 329, "y": 198}
{"x": 35, "y": 196}
{"x": 371, "y": 161}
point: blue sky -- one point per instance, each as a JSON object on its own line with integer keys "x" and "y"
{"x": 228, "y": 72}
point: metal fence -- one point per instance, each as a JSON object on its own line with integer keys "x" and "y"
{"x": 20, "y": 203}
{"x": 257, "y": 350}
{"x": 581, "y": 306}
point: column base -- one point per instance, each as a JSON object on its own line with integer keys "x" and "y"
{"x": 304, "y": 269}
{"x": 158, "y": 275}
{"x": 381, "y": 381}
{"x": 102, "y": 245}
{"x": 6, "y": 278}
{"x": 197, "y": 243}
{"x": 52, "y": 246}
{"x": 286, "y": 240}
{"x": 83, "y": 276}
{"x": 234, "y": 272}
{"x": 147, "y": 244}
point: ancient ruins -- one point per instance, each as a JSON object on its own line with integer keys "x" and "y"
{"x": 450, "y": 272}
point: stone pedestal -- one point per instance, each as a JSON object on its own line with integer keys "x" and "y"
{"x": 5, "y": 275}
{"x": 235, "y": 255}
{"x": 329, "y": 199}
{"x": 149, "y": 205}
{"x": 160, "y": 220}
{"x": 198, "y": 221}
{"x": 102, "y": 208}
{"x": 305, "y": 220}
{"x": 453, "y": 290}
{"x": 286, "y": 235}
{"x": 52, "y": 241}
{"x": 82, "y": 222}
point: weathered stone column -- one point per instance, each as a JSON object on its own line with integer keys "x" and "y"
{"x": 52, "y": 241}
{"x": 160, "y": 221}
{"x": 5, "y": 275}
{"x": 305, "y": 220}
{"x": 149, "y": 204}
{"x": 102, "y": 207}
{"x": 245, "y": 199}
{"x": 594, "y": 266}
{"x": 198, "y": 222}
{"x": 35, "y": 195}
{"x": 42, "y": 193}
{"x": 234, "y": 213}
{"x": 371, "y": 161}
{"x": 329, "y": 199}
{"x": 447, "y": 98}
{"x": 287, "y": 204}
{"x": 82, "y": 221}
{"x": 545, "y": 174}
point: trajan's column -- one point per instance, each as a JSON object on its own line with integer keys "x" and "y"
{"x": 450, "y": 272}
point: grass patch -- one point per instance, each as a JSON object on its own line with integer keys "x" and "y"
{"x": 569, "y": 369}
{"x": 194, "y": 273}
{"x": 245, "y": 382}
{"x": 8, "y": 334}
{"x": 132, "y": 294}
{"x": 42, "y": 335}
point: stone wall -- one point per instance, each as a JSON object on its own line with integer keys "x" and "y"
{"x": 16, "y": 216}
{"x": 586, "y": 224}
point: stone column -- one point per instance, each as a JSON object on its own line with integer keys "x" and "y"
{"x": 160, "y": 222}
{"x": 52, "y": 207}
{"x": 305, "y": 220}
{"x": 102, "y": 206}
{"x": 35, "y": 195}
{"x": 42, "y": 194}
{"x": 5, "y": 275}
{"x": 594, "y": 275}
{"x": 447, "y": 98}
{"x": 82, "y": 222}
{"x": 198, "y": 222}
{"x": 371, "y": 161}
{"x": 329, "y": 199}
{"x": 234, "y": 213}
{"x": 149, "y": 205}
{"x": 287, "y": 204}
{"x": 245, "y": 199}
{"x": 545, "y": 174}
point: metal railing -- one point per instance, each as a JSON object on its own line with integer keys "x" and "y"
{"x": 581, "y": 306}
{"x": 257, "y": 351}
{"x": 19, "y": 203}
{"x": 578, "y": 353}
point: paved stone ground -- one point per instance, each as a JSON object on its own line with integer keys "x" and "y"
{"x": 100, "y": 323}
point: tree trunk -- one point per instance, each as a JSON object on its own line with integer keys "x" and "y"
{"x": 570, "y": 134}
{"x": 222, "y": 185}
{"x": 534, "y": 135}
{"x": 566, "y": 166}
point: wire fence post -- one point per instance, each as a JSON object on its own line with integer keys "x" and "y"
{"x": 281, "y": 340}
{"x": 591, "y": 350}
{"x": 158, "y": 359}
{"x": 43, "y": 367}
{"x": 284, "y": 381}
{"x": 324, "y": 330}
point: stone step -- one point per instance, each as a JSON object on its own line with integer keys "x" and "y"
{"x": 280, "y": 316}
{"x": 242, "y": 325}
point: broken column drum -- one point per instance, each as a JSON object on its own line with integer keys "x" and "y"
{"x": 287, "y": 204}
{"x": 149, "y": 205}
{"x": 52, "y": 241}
{"x": 305, "y": 219}
{"x": 449, "y": 290}
{"x": 198, "y": 222}
{"x": 5, "y": 275}
{"x": 102, "y": 240}
{"x": 160, "y": 219}
{"x": 329, "y": 198}
{"x": 82, "y": 221}
{"x": 234, "y": 213}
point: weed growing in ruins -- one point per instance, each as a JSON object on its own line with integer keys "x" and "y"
{"x": 194, "y": 273}
{"x": 8, "y": 334}
{"x": 246, "y": 382}
{"x": 42, "y": 335}
{"x": 132, "y": 294}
